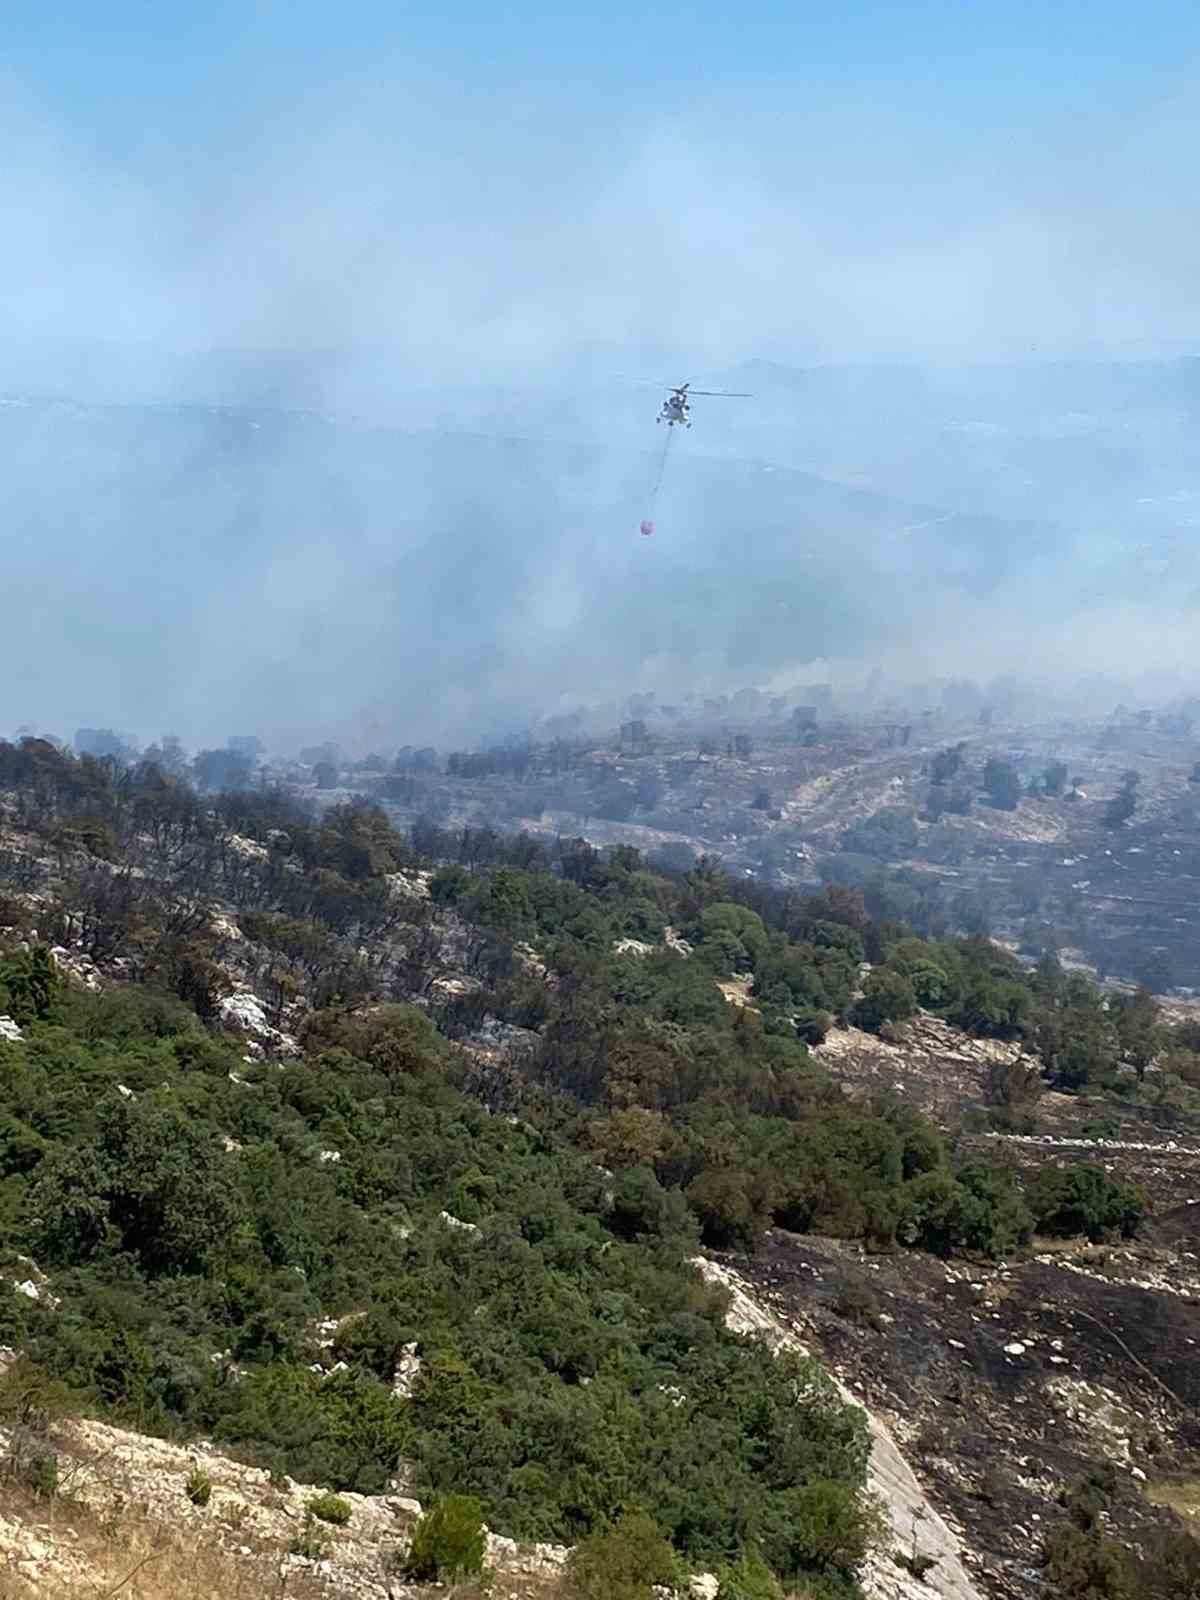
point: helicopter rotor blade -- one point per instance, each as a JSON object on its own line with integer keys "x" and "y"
{"x": 686, "y": 389}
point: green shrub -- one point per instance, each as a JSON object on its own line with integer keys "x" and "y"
{"x": 1101, "y": 1128}
{"x": 311, "y": 1543}
{"x": 993, "y": 1485}
{"x": 198, "y": 1487}
{"x": 29, "y": 985}
{"x": 623, "y": 1563}
{"x": 40, "y": 1473}
{"x": 1171, "y": 1568}
{"x": 448, "y": 1542}
{"x": 884, "y": 836}
{"x": 980, "y": 1211}
{"x": 330, "y": 1508}
{"x": 1067, "y": 1201}
{"x": 32, "y": 1400}
{"x": 857, "y": 1301}
{"x": 827, "y": 1531}
{"x": 1082, "y": 1564}
{"x": 749, "y": 1578}
{"x": 727, "y": 1215}
{"x": 919, "y": 1562}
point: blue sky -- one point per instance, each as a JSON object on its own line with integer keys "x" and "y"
{"x": 876, "y": 177}
{"x": 976, "y": 67}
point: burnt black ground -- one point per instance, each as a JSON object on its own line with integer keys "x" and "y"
{"x": 996, "y": 1435}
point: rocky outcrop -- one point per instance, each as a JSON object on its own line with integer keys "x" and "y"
{"x": 242, "y": 1013}
{"x": 412, "y": 885}
{"x": 457, "y": 1224}
{"x": 77, "y": 967}
{"x": 223, "y": 926}
{"x": 248, "y": 849}
{"x": 924, "y": 1038}
{"x": 912, "y": 1523}
{"x": 9, "y": 1031}
{"x": 406, "y": 1372}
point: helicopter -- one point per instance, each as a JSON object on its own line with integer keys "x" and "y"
{"x": 675, "y": 406}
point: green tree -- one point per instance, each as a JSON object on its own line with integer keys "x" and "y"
{"x": 827, "y": 1531}
{"x": 643, "y": 1209}
{"x": 1067, "y": 1201}
{"x": 122, "y": 1373}
{"x": 222, "y": 769}
{"x": 1055, "y": 778}
{"x": 887, "y": 996}
{"x": 1124, "y": 803}
{"x": 728, "y": 1216}
{"x": 365, "y": 1432}
{"x": 154, "y": 1185}
{"x": 729, "y": 927}
{"x": 449, "y": 885}
{"x": 1136, "y": 1019}
{"x": 931, "y": 984}
{"x": 885, "y": 836}
{"x": 1002, "y": 784}
{"x": 1075, "y": 1036}
{"x": 946, "y": 764}
{"x": 979, "y": 1210}
{"x": 29, "y": 985}
{"x": 503, "y": 902}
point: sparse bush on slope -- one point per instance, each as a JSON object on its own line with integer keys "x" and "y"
{"x": 447, "y": 1542}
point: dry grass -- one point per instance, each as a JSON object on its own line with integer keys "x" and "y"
{"x": 58, "y": 1550}
{"x": 147, "y": 1566}
{"x": 156, "y": 1575}
{"x": 1182, "y": 1495}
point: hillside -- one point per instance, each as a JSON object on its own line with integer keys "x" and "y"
{"x": 892, "y": 799}
{"x": 381, "y": 1161}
